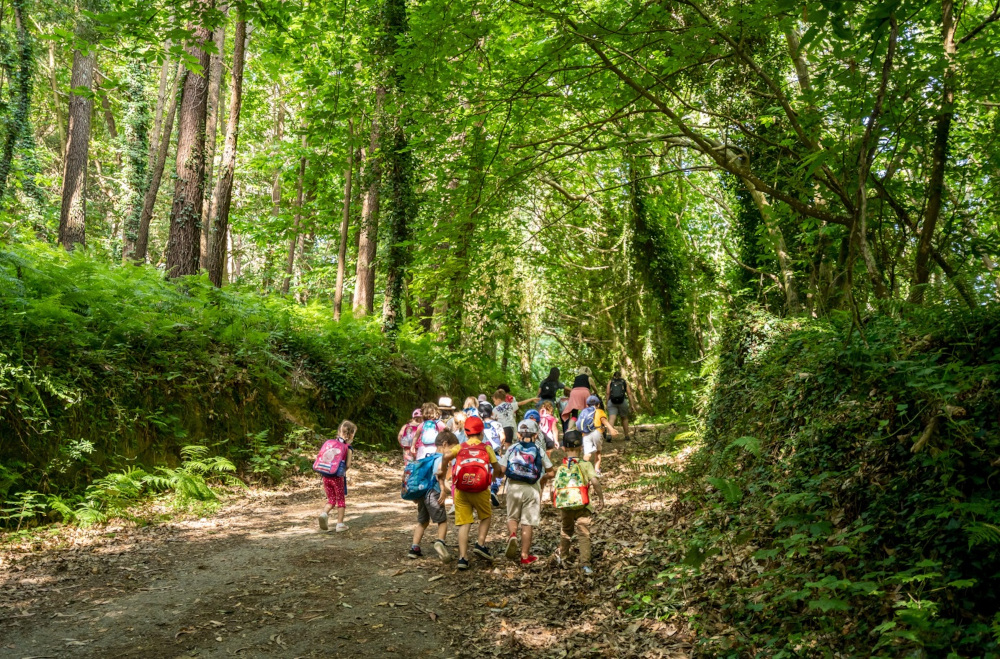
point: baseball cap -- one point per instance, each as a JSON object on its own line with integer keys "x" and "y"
{"x": 417, "y": 413}
{"x": 528, "y": 427}
{"x": 593, "y": 400}
{"x": 473, "y": 426}
{"x": 572, "y": 439}
{"x": 533, "y": 414}
{"x": 444, "y": 402}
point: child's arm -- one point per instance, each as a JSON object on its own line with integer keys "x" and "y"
{"x": 525, "y": 402}
{"x": 349, "y": 452}
{"x": 595, "y": 486}
{"x": 607, "y": 424}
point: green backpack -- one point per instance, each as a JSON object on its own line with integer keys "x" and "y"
{"x": 569, "y": 491}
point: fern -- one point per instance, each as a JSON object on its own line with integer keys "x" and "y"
{"x": 981, "y": 533}
{"x": 731, "y": 492}
{"x": 661, "y": 478}
{"x": 751, "y": 445}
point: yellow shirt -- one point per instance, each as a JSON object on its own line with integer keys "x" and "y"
{"x": 453, "y": 451}
{"x": 600, "y": 418}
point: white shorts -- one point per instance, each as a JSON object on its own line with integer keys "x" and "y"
{"x": 524, "y": 503}
{"x": 592, "y": 442}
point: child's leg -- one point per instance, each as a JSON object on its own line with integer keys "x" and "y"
{"x": 511, "y": 526}
{"x": 526, "y": 533}
{"x": 338, "y": 487}
{"x": 566, "y": 532}
{"x": 340, "y": 514}
{"x": 583, "y": 526}
{"x": 463, "y": 541}
{"x": 484, "y": 530}
{"x": 597, "y": 461}
{"x": 442, "y": 531}
{"x": 418, "y": 532}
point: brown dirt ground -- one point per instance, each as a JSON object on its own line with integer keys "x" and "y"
{"x": 258, "y": 578}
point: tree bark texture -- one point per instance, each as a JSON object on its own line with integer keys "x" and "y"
{"x": 223, "y": 195}
{"x": 73, "y": 212}
{"x": 134, "y": 176}
{"x": 345, "y": 224}
{"x": 371, "y": 176}
{"x": 939, "y": 158}
{"x": 214, "y": 118}
{"x": 402, "y": 207}
{"x": 156, "y": 175}
{"x": 184, "y": 243}
{"x": 293, "y": 241}
{"x": 19, "y": 131}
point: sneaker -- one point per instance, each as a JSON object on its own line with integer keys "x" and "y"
{"x": 442, "y": 551}
{"x": 494, "y": 500}
{"x": 463, "y": 564}
{"x": 481, "y": 551}
{"x": 341, "y": 527}
{"x": 415, "y": 552}
{"x": 529, "y": 560}
{"x": 598, "y": 473}
{"x": 323, "y": 519}
{"x": 557, "y": 560}
{"x": 513, "y": 551}
{"x": 587, "y": 570}
{"x": 451, "y": 510}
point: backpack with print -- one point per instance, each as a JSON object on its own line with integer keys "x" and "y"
{"x": 524, "y": 463}
{"x": 332, "y": 458}
{"x": 493, "y": 434}
{"x": 420, "y": 477}
{"x": 617, "y": 391}
{"x": 471, "y": 472}
{"x": 585, "y": 422}
{"x": 409, "y": 435}
{"x": 430, "y": 433}
{"x": 569, "y": 491}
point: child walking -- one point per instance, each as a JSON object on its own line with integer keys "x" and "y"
{"x": 430, "y": 508}
{"x": 527, "y": 467}
{"x": 576, "y": 483}
{"x": 333, "y": 462}
{"x": 424, "y": 443}
{"x": 471, "y": 477}
{"x": 592, "y": 422}
{"x": 408, "y": 434}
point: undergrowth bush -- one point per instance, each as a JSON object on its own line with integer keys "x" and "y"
{"x": 844, "y": 500}
{"x": 104, "y": 367}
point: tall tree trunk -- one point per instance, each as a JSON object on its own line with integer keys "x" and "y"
{"x": 371, "y": 176}
{"x": 19, "y": 131}
{"x": 184, "y": 243}
{"x": 296, "y": 227}
{"x": 166, "y": 80}
{"x": 73, "y": 212}
{"x": 401, "y": 213}
{"x": 55, "y": 99}
{"x": 222, "y": 198}
{"x": 213, "y": 120}
{"x": 774, "y": 232}
{"x": 156, "y": 175}
{"x": 345, "y": 223}
{"x": 459, "y": 269}
{"x": 135, "y": 174}
{"x": 939, "y": 158}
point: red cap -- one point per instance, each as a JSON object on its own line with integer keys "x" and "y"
{"x": 473, "y": 426}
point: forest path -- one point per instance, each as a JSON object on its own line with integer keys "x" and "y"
{"x": 259, "y": 579}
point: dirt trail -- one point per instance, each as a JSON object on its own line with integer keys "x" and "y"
{"x": 259, "y": 579}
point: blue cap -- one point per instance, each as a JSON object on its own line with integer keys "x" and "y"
{"x": 593, "y": 400}
{"x": 533, "y": 414}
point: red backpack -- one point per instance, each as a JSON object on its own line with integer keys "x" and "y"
{"x": 472, "y": 468}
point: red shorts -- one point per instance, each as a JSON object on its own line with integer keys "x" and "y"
{"x": 335, "y": 488}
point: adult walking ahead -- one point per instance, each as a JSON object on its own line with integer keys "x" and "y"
{"x": 577, "y": 398}
{"x": 550, "y": 388}
{"x": 619, "y": 401}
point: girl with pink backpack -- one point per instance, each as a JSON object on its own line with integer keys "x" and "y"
{"x": 332, "y": 463}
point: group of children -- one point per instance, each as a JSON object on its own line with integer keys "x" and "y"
{"x": 469, "y": 453}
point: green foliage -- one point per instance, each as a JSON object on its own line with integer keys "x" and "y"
{"x": 103, "y": 366}
{"x": 823, "y": 526}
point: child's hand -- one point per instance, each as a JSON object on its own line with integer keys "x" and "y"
{"x": 442, "y": 499}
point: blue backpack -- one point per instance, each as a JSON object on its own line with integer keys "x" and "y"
{"x": 420, "y": 477}
{"x": 585, "y": 422}
{"x": 524, "y": 463}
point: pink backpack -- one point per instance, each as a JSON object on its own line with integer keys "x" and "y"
{"x": 332, "y": 458}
